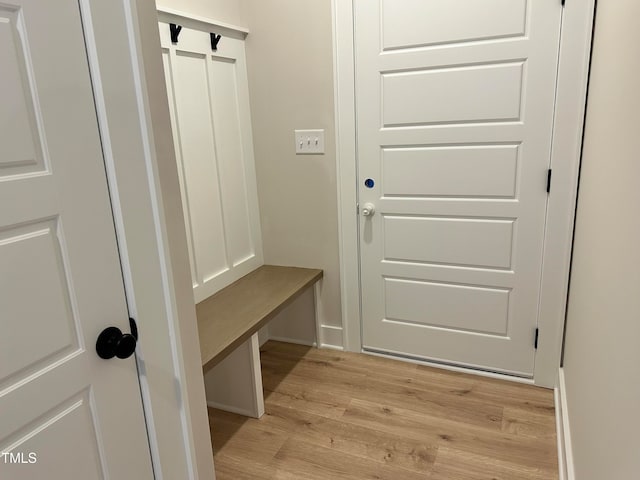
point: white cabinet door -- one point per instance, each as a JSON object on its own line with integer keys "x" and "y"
{"x": 65, "y": 413}
{"x": 209, "y": 106}
{"x": 455, "y": 102}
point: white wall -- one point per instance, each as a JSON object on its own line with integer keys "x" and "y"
{"x": 291, "y": 86}
{"x": 602, "y": 347}
{"x": 227, "y": 11}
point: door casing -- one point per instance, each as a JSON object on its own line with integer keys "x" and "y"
{"x": 571, "y": 92}
{"x": 123, "y": 47}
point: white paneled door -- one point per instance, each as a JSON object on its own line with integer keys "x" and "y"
{"x": 65, "y": 413}
{"x": 455, "y": 102}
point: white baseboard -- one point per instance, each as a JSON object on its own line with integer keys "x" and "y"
{"x": 232, "y": 409}
{"x": 331, "y": 337}
{"x": 565, "y": 453}
{"x": 296, "y": 341}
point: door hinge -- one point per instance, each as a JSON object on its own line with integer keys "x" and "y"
{"x": 562, "y": 3}
{"x": 357, "y": 209}
{"x": 535, "y": 341}
{"x": 548, "y": 180}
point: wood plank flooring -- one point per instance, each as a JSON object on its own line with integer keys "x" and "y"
{"x": 344, "y": 416}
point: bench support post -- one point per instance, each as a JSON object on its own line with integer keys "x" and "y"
{"x": 235, "y": 384}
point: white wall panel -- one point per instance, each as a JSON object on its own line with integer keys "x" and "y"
{"x": 209, "y": 106}
{"x": 180, "y": 165}
{"x": 233, "y": 179}
{"x": 199, "y": 163}
{"x": 601, "y": 355}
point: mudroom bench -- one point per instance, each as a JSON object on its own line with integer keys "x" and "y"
{"x": 228, "y": 324}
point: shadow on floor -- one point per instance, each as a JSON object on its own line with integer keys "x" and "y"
{"x": 277, "y": 365}
{"x": 224, "y": 425}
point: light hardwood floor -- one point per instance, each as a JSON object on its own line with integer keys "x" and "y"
{"x": 333, "y": 415}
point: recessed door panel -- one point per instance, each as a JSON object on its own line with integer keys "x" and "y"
{"x": 470, "y": 242}
{"x": 487, "y": 93}
{"x": 463, "y": 171}
{"x": 463, "y": 308}
{"x": 32, "y": 261}
{"x": 420, "y": 23}
{"x": 21, "y": 147}
{"x": 40, "y": 450}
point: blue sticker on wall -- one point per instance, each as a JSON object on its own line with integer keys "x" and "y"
{"x": 369, "y": 183}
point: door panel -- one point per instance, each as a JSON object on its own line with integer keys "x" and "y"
{"x": 61, "y": 283}
{"x": 201, "y": 173}
{"x": 446, "y": 241}
{"x": 420, "y": 23}
{"x": 34, "y": 253}
{"x": 455, "y": 102}
{"x": 455, "y": 171}
{"x": 452, "y": 95}
{"x": 453, "y": 306}
{"x": 20, "y": 143}
{"x": 78, "y": 456}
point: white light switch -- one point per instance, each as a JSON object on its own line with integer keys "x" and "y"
{"x": 309, "y": 142}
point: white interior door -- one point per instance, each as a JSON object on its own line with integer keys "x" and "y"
{"x": 455, "y": 102}
{"x": 65, "y": 413}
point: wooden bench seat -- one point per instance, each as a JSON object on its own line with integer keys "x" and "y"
{"x": 235, "y": 313}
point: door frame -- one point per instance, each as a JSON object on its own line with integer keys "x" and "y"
{"x": 571, "y": 95}
{"x": 135, "y": 130}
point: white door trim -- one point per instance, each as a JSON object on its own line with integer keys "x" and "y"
{"x": 133, "y": 116}
{"x": 575, "y": 50}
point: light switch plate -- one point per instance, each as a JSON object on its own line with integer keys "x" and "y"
{"x": 309, "y": 142}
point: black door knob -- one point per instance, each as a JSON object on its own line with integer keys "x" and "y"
{"x": 113, "y": 343}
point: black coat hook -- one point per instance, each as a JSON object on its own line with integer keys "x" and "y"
{"x": 175, "y": 31}
{"x": 214, "y": 41}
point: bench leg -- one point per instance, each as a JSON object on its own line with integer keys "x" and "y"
{"x": 235, "y": 384}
